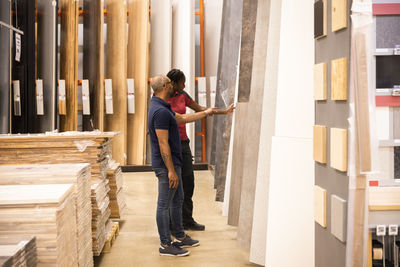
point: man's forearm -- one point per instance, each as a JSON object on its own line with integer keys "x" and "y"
{"x": 186, "y": 118}
{"x": 166, "y": 156}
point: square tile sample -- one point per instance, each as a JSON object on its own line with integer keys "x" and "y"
{"x": 338, "y": 148}
{"x": 339, "y": 15}
{"x": 320, "y": 81}
{"x": 338, "y": 217}
{"x": 319, "y": 143}
{"x": 320, "y": 205}
{"x": 339, "y": 79}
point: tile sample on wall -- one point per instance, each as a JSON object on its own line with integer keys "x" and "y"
{"x": 320, "y": 18}
{"x": 339, "y": 79}
{"x": 320, "y": 81}
{"x": 338, "y": 217}
{"x": 320, "y": 143}
{"x": 320, "y": 205}
{"x": 338, "y": 148}
{"x": 339, "y": 14}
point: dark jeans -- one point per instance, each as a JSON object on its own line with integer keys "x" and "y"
{"x": 169, "y": 206}
{"x": 188, "y": 183}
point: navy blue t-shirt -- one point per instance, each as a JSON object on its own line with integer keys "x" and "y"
{"x": 162, "y": 117}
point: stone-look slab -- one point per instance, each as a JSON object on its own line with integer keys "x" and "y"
{"x": 5, "y": 12}
{"x": 227, "y": 71}
{"x": 249, "y": 19}
{"x": 338, "y": 217}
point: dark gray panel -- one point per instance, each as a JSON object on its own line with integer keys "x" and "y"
{"x": 329, "y": 251}
{"x": 387, "y": 31}
{"x": 4, "y": 69}
{"x": 46, "y": 62}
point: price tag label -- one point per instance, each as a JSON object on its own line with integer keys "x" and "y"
{"x": 380, "y": 230}
{"x": 17, "y": 47}
{"x": 393, "y": 229}
{"x": 131, "y": 95}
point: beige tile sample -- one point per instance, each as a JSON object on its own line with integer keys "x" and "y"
{"x": 320, "y": 81}
{"x": 339, "y": 15}
{"x": 338, "y": 217}
{"x": 338, "y": 148}
{"x": 319, "y": 143}
{"x": 339, "y": 79}
{"x": 320, "y": 205}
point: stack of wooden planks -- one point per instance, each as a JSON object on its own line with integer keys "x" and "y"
{"x": 18, "y": 252}
{"x": 116, "y": 194}
{"x": 77, "y": 174}
{"x": 45, "y": 211}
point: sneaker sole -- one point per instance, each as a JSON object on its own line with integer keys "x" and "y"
{"x": 190, "y": 246}
{"x": 179, "y": 255}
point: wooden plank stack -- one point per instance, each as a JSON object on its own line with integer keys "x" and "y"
{"x": 18, "y": 252}
{"x": 45, "y": 211}
{"x": 77, "y": 174}
{"x": 116, "y": 194}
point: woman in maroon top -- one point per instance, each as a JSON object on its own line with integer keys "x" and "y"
{"x": 179, "y": 102}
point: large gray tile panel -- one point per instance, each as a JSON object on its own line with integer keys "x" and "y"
{"x": 387, "y": 31}
{"x": 4, "y": 69}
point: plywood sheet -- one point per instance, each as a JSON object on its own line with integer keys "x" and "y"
{"x": 320, "y": 205}
{"x": 320, "y": 143}
{"x": 338, "y": 149}
{"x": 339, "y": 15}
{"x": 339, "y": 79}
{"x": 320, "y": 81}
{"x": 116, "y": 55}
{"x": 138, "y": 58}
{"x": 338, "y": 217}
{"x": 384, "y": 198}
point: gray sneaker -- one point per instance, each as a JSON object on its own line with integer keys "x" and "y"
{"x": 186, "y": 242}
{"x": 172, "y": 250}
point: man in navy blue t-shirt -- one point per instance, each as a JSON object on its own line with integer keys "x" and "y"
{"x": 166, "y": 162}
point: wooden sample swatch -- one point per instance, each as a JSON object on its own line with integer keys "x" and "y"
{"x": 320, "y": 19}
{"x": 320, "y": 81}
{"x": 339, "y": 15}
{"x": 338, "y": 217}
{"x": 384, "y": 198}
{"x": 339, "y": 79}
{"x": 138, "y": 58}
{"x": 338, "y": 148}
{"x": 319, "y": 143}
{"x": 320, "y": 205}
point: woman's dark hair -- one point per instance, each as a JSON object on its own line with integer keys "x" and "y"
{"x": 176, "y": 75}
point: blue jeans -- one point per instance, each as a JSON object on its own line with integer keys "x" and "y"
{"x": 169, "y": 204}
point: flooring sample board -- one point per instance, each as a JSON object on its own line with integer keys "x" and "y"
{"x": 320, "y": 81}
{"x": 386, "y": 163}
{"x": 5, "y": 78}
{"x": 338, "y": 217}
{"x": 116, "y": 58}
{"x": 227, "y": 72}
{"x": 384, "y": 123}
{"x": 69, "y": 62}
{"x": 138, "y": 58}
{"x": 339, "y": 79}
{"x": 93, "y": 62}
{"x": 387, "y": 32}
{"x": 384, "y": 198}
{"x": 161, "y": 37}
{"x": 183, "y": 49}
{"x": 320, "y": 18}
{"x": 338, "y": 149}
{"x": 339, "y": 15}
{"x": 247, "y": 49}
{"x": 47, "y": 63}
{"x": 290, "y": 203}
{"x": 320, "y": 205}
{"x": 320, "y": 143}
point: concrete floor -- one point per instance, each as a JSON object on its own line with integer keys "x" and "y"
{"x": 138, "y": 242}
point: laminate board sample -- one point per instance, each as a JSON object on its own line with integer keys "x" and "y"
{"x": 384, "y": 198}
{"x": 227, "y": 72}
{"x": 339, "y": 79}
{"x": 138, "y": 58}
{"x": 69, "y": 62}
{"x": 5, "y": 84}
{"x": 320, "y": 81}
{"x": 93, "y": 62}
{"x": 183, "y": 50}
{"x": 320, "y": 143}
{"x": 47, "y": 63}
{"x": 338, "y": 149}
{"x": 320, "y": 18}
{"x": 247, "y": 49}
{"x": 339, "y": 15}
{"x": 290, "y": 203}
{"x": 116, "y": 58}
{"x": 387, "y": 32}
{"x": 338, "y": 217}
{"x": 260, "y": 214}
{"x": 320, "y": 205}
